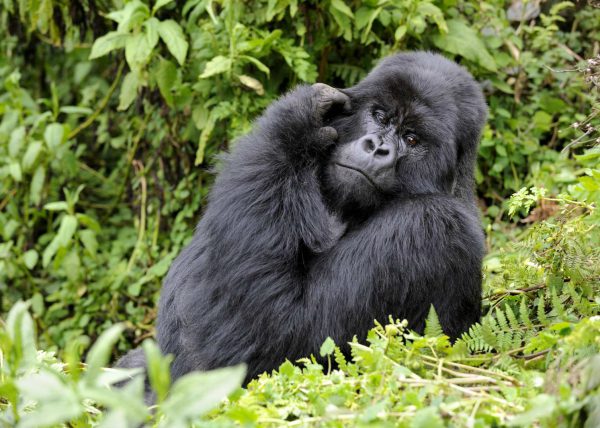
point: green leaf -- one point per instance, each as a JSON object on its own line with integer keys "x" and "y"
{"x": 171, "y": 33}
{"x": 54, "y": 135}
{"x": 14, "y": 168}
{"x": 99, "y": 354}
{"x": 257, "y": 63}
{"x": 108, "y": 43}
{"x": 159, "y": 4}
{"x": 57, "y": 402}
{"x": 17, "y": 141}
{"x": 30, "y": 258}
{"x": 327, "y": 347}
{"x": 138, "y": 47}
{"x": 31, "y": 154}
{"x": 56, "y": 206}
{"x": 217, "y": 65}
{"x": 129, "y": 89}
{"x": 432, "y": 324}
{"x": 251, "y": 83}
{"x": 464, "y": 41}
{"x": 342, "y": 7}
{"x": 428, "y": 417}
{"x": 197, "y": 393}
{"x": 68, "y": 226}
{"x": 158, "y": 369}
{"x": 166, "y": 76}
{"x": 20, "y": 329}
{"x": 88, "y": 238}
{"x": 37, "y": 184}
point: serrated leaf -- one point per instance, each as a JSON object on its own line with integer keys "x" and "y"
{"x": 217, "y": 65}
{"x": 108, "y": 43}
{"x": 171, "y": 33}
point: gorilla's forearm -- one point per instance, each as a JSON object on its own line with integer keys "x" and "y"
{"x": 431, "y": 255}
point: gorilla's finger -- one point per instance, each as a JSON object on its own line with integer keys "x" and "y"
{"x": 328, "y": 133}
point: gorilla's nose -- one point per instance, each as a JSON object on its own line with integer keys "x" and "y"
{"x": 382, "y": 153}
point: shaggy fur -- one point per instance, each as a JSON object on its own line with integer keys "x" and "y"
{"x": 327, "y": 217}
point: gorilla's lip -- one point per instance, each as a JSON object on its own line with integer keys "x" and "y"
{"x": 361, "y": 172}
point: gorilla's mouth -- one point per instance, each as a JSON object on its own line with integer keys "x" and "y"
{"x": 364, "y": 174}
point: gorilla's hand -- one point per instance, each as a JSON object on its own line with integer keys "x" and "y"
{"x": 326, "y": 98}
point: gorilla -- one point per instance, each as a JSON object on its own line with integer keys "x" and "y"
{"x": 341, "y": 207}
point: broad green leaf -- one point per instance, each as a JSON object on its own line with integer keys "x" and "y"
{"x": 129, "y": 89}
{"x": 464, "y": 41}
{"x": 427, "y": 417}
{"x": 166, "y": 76}
{"x": 108, "y": 43}
{"x": 54, "y": 135}
{"x": 138, "y": 47}
{"x": 197, "y": 393}
{"x": 171, "y": 33}
{"x": 217, "y": 65}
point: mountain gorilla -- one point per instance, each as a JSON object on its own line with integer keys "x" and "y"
{"x": 341, "y": 207}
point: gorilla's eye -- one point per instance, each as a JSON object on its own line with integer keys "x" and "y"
{"x": 380, "y": 116}
{"x": 411, "y": 139}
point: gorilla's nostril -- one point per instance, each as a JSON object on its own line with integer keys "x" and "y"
{"x": 369, "y": 145}
{"x": 381, "y": 151}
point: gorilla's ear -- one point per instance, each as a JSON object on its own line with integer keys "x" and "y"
{"x": 473, "y": 115}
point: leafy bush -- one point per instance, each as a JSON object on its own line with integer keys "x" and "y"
{"x": 111, "y": 113}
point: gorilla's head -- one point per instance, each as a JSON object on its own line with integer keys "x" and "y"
{"x": 413, "y": 129}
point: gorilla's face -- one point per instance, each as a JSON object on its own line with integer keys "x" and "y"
{"x": 398, "y": 140}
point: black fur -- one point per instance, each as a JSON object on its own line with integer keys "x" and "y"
{"x": 294, "y": 247}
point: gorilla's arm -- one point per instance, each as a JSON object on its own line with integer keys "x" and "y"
{"x": 416, "y": 252}
{"x": 234, "y": 294}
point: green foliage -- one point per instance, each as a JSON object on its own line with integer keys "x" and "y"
{"x": 111, "y": 114}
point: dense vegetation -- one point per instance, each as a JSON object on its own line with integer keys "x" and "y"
{"x": 111, "y": 113}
